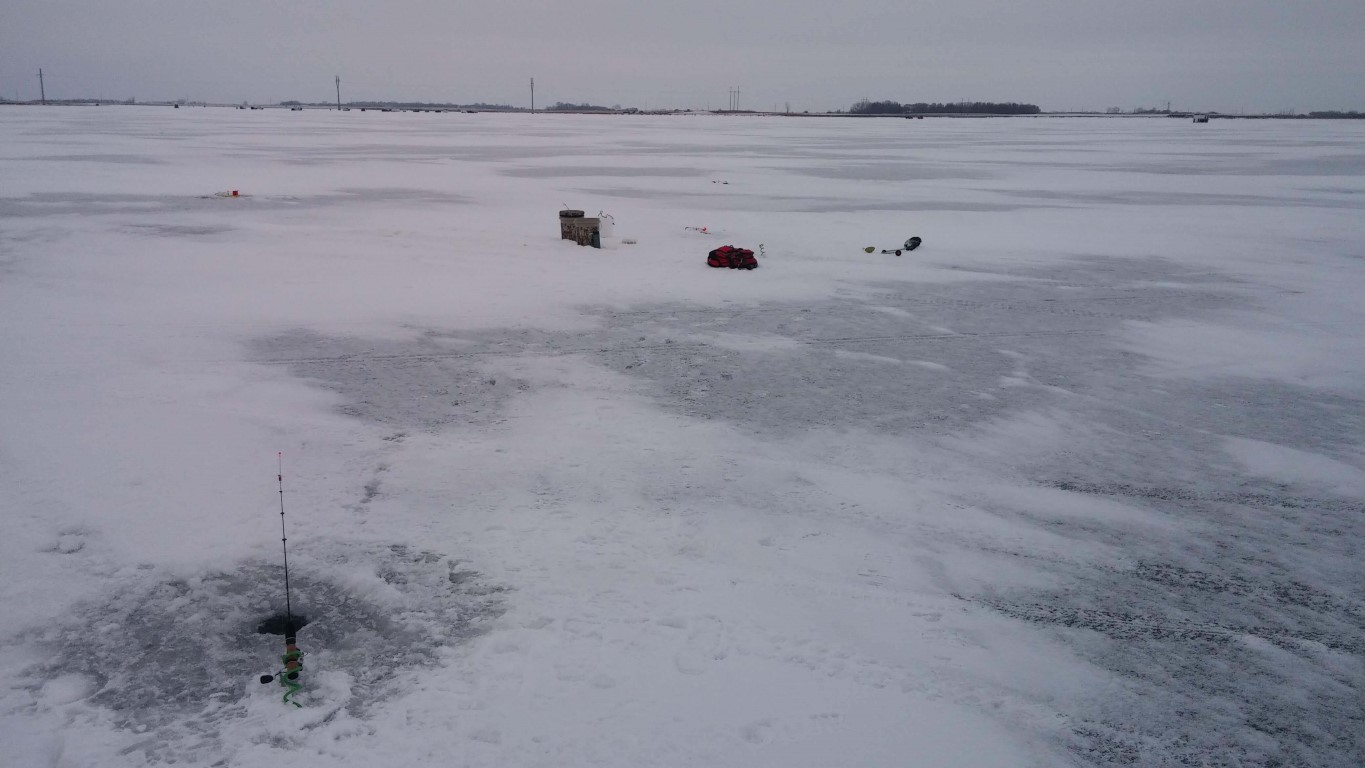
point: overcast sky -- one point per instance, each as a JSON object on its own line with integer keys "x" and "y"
{"x": 1224, "y": 55}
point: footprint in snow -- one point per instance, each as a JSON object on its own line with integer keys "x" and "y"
{"x": 760, "y": 732}
{"x": 70, "y": 543}
{"x": 707, "y": 643}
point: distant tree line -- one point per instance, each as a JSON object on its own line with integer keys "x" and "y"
{"x": 866, "y": 107}
{"x": 561, "y": 106}
{"x": 400, "y": 105}
{"x": 427, "y": 105}
{"x": 1333, "y": 114}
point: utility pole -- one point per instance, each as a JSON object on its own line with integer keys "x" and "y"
{"x": 338, "y": 93}
{"x": 41, "y": 90}
{"x": 533, "y": 95}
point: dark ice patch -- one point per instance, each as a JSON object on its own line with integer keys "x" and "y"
{"x": 179, "y": 230}
{"x": 773, "y": 203}
{"x": 561, "y": 172}
{"x": 888, "y": 171}
{"x": 171, "y": 658}
{"x": 912, "y": 358}
{"x": 1212, "y": 630}
{"x": 210, "y": 202}
{"x": 105, "y": 158}
{"x": 1117, "y": 198}
{"x": 420, "y": 383}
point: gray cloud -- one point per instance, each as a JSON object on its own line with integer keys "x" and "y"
{"x": 1229, "y": 55}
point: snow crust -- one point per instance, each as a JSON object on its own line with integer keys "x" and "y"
{"x": 1078, "y": 482}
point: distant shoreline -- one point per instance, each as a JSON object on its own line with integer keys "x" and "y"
{"x": 1322, "y": 115}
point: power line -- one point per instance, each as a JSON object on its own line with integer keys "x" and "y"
{"x": 734, "y": 99}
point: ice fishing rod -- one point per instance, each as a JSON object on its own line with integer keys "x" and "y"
{"x": 292, "y": 658}
{"x": 284, "y": 545}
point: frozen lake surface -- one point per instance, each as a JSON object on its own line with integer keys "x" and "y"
{"x": 1079, "y": 482}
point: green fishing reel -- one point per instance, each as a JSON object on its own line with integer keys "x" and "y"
{"x": 290, "y": 677}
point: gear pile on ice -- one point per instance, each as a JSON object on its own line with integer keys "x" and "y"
{"x": 732, "y": 257}
{"x": 910, "y": 245}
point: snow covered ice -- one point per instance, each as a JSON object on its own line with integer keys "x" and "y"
{"x": 1081, "y": 481}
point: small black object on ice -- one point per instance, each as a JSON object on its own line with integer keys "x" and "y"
{"x": 910, "y": 245}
